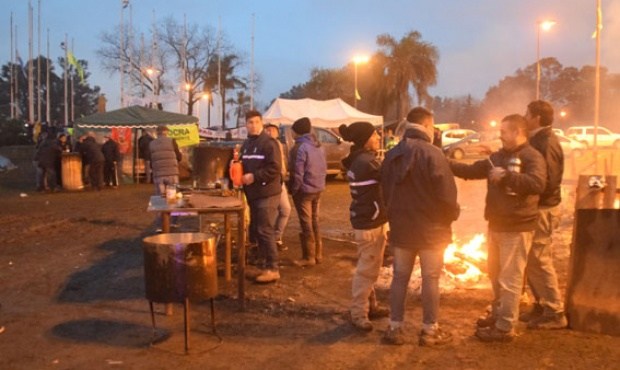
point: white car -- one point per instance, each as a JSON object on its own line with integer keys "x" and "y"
{"x": 452, "y": 136}
{"x": 585, "y": 134}
{"x": 571, "y": 146}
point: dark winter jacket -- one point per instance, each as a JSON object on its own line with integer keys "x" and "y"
{"x": 91, "y": 151}
{"x": 48, "y": 153}
{"x": 165, "y": 157}
{"x": 506, "y": 212}
{"x": 419, "y": 192}
{"x": 111, "y": 152}
{"x": 307, "y": 165}
{"x": 260, "y": 156}
{"x": 367, "y": 210}
{"x": 143, "y": 147}
{"x": 548, "y": 145}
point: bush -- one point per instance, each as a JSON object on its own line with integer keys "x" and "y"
{"x": 14, "y": 132}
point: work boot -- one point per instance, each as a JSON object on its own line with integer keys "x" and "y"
{"x": 550, "y": 321}
{"x": 319, "y": 251}
{"x": 268, "y": 276}
{"x": 434, "y": 337}
{"x": 378, "y": 312}
{"x": 536, "y": 311}
{"x": 394, "y": 336}
{"x": 486, "y": 321}
{"x": 361, "y": 323}
{"x": 493, "y": 334}
{"x": 304, "y": 262}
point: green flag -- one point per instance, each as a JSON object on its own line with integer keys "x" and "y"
{"x": 78, "y": 67}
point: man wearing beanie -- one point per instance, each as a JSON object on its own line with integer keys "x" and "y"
{"x": 262, "y": 184}
{"x": 368, "y": 218}
{"x": 308, "y": 168}
{"x": 420, "y": 196}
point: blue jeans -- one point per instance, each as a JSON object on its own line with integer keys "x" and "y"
{"x": 507, "y": 258}
{"x": 431, "y": 263}
{"x": 307, "y": 206}
{"x": 263, "y": 212}
{"x": 284, "y": 212}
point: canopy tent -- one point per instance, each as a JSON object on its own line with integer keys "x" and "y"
{"x": 323, "y": 113}
{"x": 124, "y": 125}
{"x": 134, "y": 117}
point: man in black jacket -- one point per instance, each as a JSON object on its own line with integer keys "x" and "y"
{"x": 262, "y": 184}
{"x": 516, "y": 176}
{"x": 420, "y": 195}
{"x": 548, "y": 311}
{"x": 93, "y": 157}
{"x": 368, "y": 218}
{"x": 112, "y": 156}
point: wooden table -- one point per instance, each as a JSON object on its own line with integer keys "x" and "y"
{"x": 205, "y": 204}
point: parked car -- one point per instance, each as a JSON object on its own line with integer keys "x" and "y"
{"x": 585, "y": 134}
{"x": 558, "y": 131}
{"x": 451, "y": 136}
{"x": 475, "y": 145}
{"x": 335, "y": 148}
{"x": 571, "y": 146}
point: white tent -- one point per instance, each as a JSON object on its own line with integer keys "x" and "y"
{"x": 323, "y": 113}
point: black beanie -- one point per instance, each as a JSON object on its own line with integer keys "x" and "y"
{"x": 357, "y": 132}
{"x": 302, "y": 126}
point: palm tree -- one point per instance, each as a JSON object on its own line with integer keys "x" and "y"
{"x": 228, "y": 79}
{"x": 409, "y": 62}
{"x": 241, "y": 103}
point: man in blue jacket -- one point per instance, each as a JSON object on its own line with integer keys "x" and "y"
{"x": 262, "y": 184}
{"x": 308, "y": 168}
{"x": 420, "y": 195}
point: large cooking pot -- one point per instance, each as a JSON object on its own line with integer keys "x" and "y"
{"x": 179, "y": 266}
{"x": 211, "y": 163}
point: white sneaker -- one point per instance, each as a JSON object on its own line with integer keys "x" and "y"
{"x": 268, "y": 276}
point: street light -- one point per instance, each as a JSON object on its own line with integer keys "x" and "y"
{"x": 358, "y": 59}
{"x": 545, "y": 26}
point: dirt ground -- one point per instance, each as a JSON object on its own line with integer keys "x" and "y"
{"x": 72, "y": 296}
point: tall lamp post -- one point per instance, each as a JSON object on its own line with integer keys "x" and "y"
{"x": 545, "y": 26}
{"x": 358, "y": 59}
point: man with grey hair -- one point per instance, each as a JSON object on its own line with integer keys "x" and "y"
{"x": 420, "y": 196}
{"x": 165, "y": 158}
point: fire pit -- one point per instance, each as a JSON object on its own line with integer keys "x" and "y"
{"x": 178, "y": 268}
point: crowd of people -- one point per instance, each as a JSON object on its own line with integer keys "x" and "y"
{"x": 99, "y": 161}
{"x": 408, "y": 201}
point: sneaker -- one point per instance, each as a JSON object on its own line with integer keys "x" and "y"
{"x": 536, "y": 312}
{"x": 281, "y": 246}
{"x": 493, "y": 334}
{"x": 378, "y": 312}
{"x": 361, "y": 323}
{"x": 394, "y": 336}
{"x": 305, "y": 262}
{"x": 435, "y": 337}
{"x": 486, "y": 321}
{"x": 252, "y": 272}
{"x": 552, "y": 321}
{"x": 268, "y": 276}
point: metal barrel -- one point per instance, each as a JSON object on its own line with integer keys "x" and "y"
{"x": 179, "y": 266}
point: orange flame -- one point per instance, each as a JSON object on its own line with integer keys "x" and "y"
{"x": 466, "y": 263}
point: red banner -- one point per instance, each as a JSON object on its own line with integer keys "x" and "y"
{"x": 122, "y": 135}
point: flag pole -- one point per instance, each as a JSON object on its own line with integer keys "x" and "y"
{"x": 12, "y": 67}
{"x": 39, "y": 62}
{"x": 66, "y": 48}
{"x": 31, "y": 117}
{"x": 120, "y": 59}
{"x": 47, "y": 83}
{"x": 16, "y": 79}
{"x": 252, "y": 65}
{"x": 73, "y": 85}
{"x": 597, "y": 81}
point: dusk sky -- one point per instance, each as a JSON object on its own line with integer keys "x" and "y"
{"x": 479, "y": 41}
